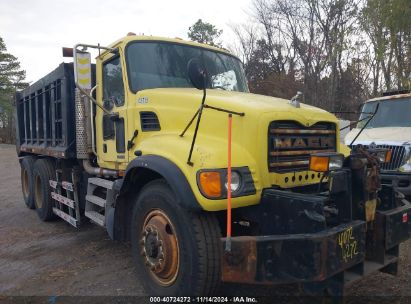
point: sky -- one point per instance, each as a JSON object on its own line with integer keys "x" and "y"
{"x": 35, "y": 30}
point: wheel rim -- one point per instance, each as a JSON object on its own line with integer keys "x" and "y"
{"x": 159, "y": 247}
{"x": 38, "y": 192}
{"x": 25, "y": 183}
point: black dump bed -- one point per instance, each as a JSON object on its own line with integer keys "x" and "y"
{"x": 46, "y": 115}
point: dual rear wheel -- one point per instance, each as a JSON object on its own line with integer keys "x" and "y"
{"x": 35, "y": 176}
{"x": 175, "y": 251}
{"x": 27, "y": 164}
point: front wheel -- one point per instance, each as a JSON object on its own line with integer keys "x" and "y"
{"x": 176, "y": 252}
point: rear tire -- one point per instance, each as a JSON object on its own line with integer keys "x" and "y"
{"x": 43, "y": 172}
{"x": 27, "y": 164}
{"x": 176, "y": 252}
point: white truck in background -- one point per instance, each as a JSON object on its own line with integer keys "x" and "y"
{"x": 389, "y": 128}
{"x": 344, "y": 128}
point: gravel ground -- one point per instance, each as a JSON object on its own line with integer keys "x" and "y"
{"x": 54, "y": 259}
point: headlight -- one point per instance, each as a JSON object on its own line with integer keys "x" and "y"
{"x": 212, "y": 183}
{"x": 384, "y": 156}
{"x": 335, "y": 163}
{"x": 406, "y": 167}
{"x": 235, "y": 181}
{"x": 324, "y": 162}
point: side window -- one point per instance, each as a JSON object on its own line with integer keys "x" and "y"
{"x": 113, "y": 88}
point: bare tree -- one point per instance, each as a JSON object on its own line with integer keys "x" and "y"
{"x": 338, "y": 52}
{"x": 388, "y": 26}
{"x": 247, "y": 40}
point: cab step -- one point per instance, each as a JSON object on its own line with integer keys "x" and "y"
{"x": 99, "y": 196}
{"x": 101, "y": 182}
{"x": 95, "y": 200}
{"x": 96, "y": 217}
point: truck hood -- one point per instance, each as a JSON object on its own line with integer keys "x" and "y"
{"x": 243, "y": 102}
{"x": 388, "y": 135}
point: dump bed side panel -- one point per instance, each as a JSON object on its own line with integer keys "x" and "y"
{"x": 46, "y": 115}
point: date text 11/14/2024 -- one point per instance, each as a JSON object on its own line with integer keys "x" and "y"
{"x": 203, "y": 300}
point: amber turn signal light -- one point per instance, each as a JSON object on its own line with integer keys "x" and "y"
{"x": 319, "y": 163}
{"x": 388, "y": 156}
{"x": 326, "y": 162}
{"x": 210, "y": 183}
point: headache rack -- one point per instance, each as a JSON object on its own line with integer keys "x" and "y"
{"x": 290, "y": 144}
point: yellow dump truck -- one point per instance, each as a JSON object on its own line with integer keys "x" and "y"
{"x": 161, "y": 142}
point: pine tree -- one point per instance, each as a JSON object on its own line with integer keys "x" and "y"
{"x": 204, "y": 32}
{"x": 11, "y": 80}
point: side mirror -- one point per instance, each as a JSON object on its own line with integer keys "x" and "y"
{"x": 108, "y": 104}
{"x": 197, "y": 74}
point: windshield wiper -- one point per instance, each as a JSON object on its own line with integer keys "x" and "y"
{"x": 355, "y": 122}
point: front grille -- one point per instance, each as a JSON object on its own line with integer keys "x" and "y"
{"x": 290, "y": 144}
{"x": 398, "y": 157}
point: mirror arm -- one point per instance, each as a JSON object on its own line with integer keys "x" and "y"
{"x": 189, "y": 123}
{"x": 224, "y": 110}
{"x": 91, "y": 98}
{"x": 114, "y": 116}
{"x": 200, "y": 112}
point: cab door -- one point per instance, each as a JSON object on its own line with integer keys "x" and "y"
{"x": 111, "y": 127}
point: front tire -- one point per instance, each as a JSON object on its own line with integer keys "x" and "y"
{"x": 43, "y": 172}
{"x": 176, "y": 252}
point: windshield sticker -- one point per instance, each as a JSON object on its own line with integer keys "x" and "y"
{"x": 226, "y": 80}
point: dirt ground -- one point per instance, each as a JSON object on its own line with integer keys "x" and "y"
{"x": 54, "y": 259}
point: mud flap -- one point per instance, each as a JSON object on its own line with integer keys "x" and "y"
{"x": 110, "y": 222}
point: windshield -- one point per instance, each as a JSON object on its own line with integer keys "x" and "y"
{"x": 164, "y": 65}
{"x": 391, "y": 113}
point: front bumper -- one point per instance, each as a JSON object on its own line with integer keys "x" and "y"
{"x": 399, "y": 181}
{"x": 315, "y": 257}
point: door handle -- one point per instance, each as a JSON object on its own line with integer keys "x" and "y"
{"x": 130, "y": 143}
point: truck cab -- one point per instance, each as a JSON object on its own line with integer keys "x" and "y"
{"x": 391, "y": 129}
{"x": 145, "y": 85}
